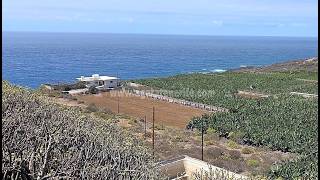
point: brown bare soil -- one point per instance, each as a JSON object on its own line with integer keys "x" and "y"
{"x": 176, "y": 141}
{"x": 168, "y": 114}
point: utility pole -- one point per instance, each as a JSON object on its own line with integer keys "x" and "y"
{"x": 202, "y": 139}
{"x": 118, "y": 93}
{"x": 153, "y": 130}
{"x": 118, "y": 103}
{"x": 145, "y": 127}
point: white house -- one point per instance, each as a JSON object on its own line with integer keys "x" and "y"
{"x": 100, "y": 82}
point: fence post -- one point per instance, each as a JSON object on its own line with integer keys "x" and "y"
{"x": 118, "y": 103}
{"x": 202, "y": 139}
{"x": 145, "y": 127}
{"x": 153, "y": 130}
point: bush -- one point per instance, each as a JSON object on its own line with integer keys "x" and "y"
{"x": 93, "y": 90}
{"x": 92, "y": 108}
{"x": 68, "y": 87}
{"x": 231, "y": 144}
{"x": 209, "y": 142}
{"x": 252, "y": 163}
{"x": 43, "y": 140}
{"x": 246, "y": 150}
{"x": 236, "y": 136}
{"x": 210, "y": 130}
{"x": 159, "y": 127}
{"x": 214, "y": 152}
{"x": 234, "y": 154}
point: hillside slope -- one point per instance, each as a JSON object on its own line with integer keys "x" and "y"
{"x": 280, "y": 121}
{"x": 42, "y": 140}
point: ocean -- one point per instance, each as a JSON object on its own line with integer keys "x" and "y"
{"x": 32, "y": 58}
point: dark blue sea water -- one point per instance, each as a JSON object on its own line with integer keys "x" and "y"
{"x": 30, "y": 59}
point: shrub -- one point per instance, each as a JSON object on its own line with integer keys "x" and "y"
{"x": 180, "y": 138}
{"x": 68, "y": 87}
{"x": 214, "y": 152}
{"x": 42, "y": 140}
{"x": 252, "y": 163}
{"x": 159, "y": 127}
{"x": 235, "y": 136}
{"x": 210, "y": 131}
{"x": 231, "y": 144}
{"x": 92, "y": 108}
{"x": 93, "y": 90}
{"x": 246, "y": 150}
{"x": 209, "y": 142}
{"x": 234, "y": 154}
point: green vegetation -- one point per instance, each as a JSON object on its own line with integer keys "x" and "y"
{"x": 43, "y": 140}
{"x": 281, "y": 122}
{"x": 231, "y": 144}
{"x": 219, "y": 89}
{"x": 246, "y": 150}
{"x": 286, "y": 123}
{"x": 252, "y": 163}
{"x": 67, "y": 87}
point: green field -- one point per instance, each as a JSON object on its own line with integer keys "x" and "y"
{"x": 222, "y": 86}
{"x": 281, "y": 122}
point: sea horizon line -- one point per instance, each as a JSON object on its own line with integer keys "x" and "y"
{"x": 159, "y": 34}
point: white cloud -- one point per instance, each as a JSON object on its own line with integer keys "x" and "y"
{"x": 217, "y": 22}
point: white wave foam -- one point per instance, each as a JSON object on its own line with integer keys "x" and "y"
{"x": 218, "y": 70}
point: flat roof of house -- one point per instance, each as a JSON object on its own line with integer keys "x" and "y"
{"x": 96, "y": 77}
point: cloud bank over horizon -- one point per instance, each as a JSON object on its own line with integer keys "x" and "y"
{"x": 201, "y": 17}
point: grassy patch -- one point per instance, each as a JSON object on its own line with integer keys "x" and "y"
{"x": 231, "y": 144}
{"x": 247, "y": 150}
{"x": 252, "y": 163}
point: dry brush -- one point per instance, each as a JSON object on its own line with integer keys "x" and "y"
{"x": 42, "y": 140}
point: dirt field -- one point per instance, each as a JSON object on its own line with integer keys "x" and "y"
{"x": 168, "y": 114}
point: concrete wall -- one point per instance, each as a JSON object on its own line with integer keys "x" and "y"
{"x": 187, "y": 165}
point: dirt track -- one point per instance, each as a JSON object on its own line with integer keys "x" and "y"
{"x": 168, "y": 114}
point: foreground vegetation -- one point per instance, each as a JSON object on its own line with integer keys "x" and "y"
{"x": 280, "y": 122}
{"x": 41, "y": 140}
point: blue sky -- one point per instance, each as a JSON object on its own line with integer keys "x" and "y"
{"x": 196, "y": 17}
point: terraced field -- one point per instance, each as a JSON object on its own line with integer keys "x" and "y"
{"x": 168, "y": 114}
{"x": 281, "y": 121}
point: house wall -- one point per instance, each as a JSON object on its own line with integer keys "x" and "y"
{"x": 110, "y": 83}
{"x": 191, "y": 165}
{"x": 107, "y": 83}
{"x": 93, "y": 83}
{"x": 174, "y": 169}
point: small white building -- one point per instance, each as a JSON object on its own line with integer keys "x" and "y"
{"x": 100, "y": 82}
